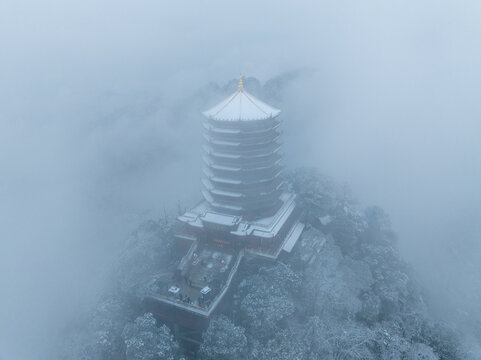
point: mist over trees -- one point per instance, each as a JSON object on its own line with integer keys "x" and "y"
{"x": 99, "y": 110}
{"x": 344, "y": 293}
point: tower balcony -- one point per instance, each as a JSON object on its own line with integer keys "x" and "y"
{"x": 262, "y": 154}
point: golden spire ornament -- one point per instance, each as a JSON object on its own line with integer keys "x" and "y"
{"x": 241, "y": 84}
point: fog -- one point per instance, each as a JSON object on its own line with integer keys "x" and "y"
{"x": 92, "y": 143}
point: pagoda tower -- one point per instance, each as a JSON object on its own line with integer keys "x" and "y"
{"x": 245, "y": 204}
{"x": 242, "y": 157}
{"x": 245, "y": 211}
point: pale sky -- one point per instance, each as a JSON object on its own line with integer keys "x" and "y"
{"x": 390, "y": 106}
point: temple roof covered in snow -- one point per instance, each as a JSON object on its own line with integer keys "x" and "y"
{"x": 241, "y": 106}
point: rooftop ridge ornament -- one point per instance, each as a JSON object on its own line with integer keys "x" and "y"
{"x": 241, "y": 106}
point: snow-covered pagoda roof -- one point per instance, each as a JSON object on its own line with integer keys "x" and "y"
{"x": 241, "y": 106}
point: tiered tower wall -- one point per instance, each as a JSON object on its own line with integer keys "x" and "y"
{"x": 242, "y": 166}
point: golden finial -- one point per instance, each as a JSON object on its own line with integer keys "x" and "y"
{"x": 241, "y": 84}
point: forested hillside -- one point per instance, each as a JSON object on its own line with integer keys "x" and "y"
{"x": 344, "y": 293}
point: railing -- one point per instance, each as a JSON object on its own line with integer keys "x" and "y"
{"x": 206, "y": 312}
{"x": 187, "y": 256}
{"x": 233, "y": 271}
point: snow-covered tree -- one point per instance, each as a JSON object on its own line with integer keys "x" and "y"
{"x": 343, "y": 294}
{"x": 333, "y": 284}
{"x": 144, "y": 340}
{"x": 223, "y": 340}
{"x": 421, "y": 352}
{"x": 389, "y": 342}
{"x": 377, "y": 218}
{"x": 146, "y": 252}
{"x": 99, "y": 337}
{"x": 267, "y": 299}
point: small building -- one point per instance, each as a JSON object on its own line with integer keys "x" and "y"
{"x": 245, "y": 210}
